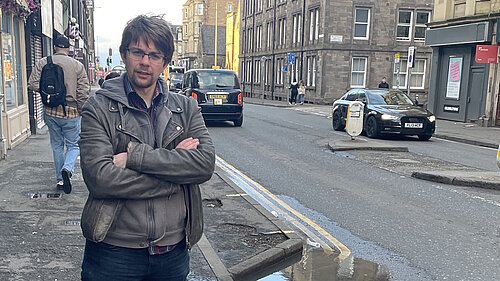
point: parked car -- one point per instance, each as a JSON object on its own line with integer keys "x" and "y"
{"x": 218, "y": 94}
{"x": 386, "y": 112}
{"x": 119, "y": 68}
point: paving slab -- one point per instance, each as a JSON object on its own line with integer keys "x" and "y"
{"x": 482, "y": 179}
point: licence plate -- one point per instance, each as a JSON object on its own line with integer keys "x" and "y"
{"x": 217, "y": 101}
{"x": 414, "y": 125}
{"x": 221, "y": 97}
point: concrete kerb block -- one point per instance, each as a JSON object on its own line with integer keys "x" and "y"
{"x": 361, "y": 144}
{"x": 257, "y": 263}
{"x": 433, "y": 177}
{"x": 291, "y": 246}
{"x": 476, "y": 183}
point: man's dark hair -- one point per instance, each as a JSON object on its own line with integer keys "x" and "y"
{"x": 153, "y": 28}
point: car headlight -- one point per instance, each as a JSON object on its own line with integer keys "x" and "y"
{"x": 389, "y": 117}
{"x": 431, "y": 118}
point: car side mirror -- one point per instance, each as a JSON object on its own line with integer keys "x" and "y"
{"x": 178, "y": 85}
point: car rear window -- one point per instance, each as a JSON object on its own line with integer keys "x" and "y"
{"x": 214, "y": 80}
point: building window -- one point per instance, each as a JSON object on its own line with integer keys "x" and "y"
{"x": 197, "y": 28}
{"x": 362, "y": 23}
{"x": 195, "y": 47}
{"x": 179, "y": 49}
{"x": 269, "y": 3}
{"x": 295, "y": 70}
{"x": 186, "y": 30}
{"x": 257, "y": 72}
{"x": 249, "y": 71}
{"x": 280, "y": 62}
{"x": 186, "y": 13}
{"x": 250, "y": 7}
{"x": 417, "y": 77}
{"x": 281, "y": 32}
{"x": 403, "y": 65}
{"x": 313, "y": 25}
{"x": 311, "y": 71}
{"x": 199, "y": 9}
{"x": 229, "y": 8}
{"x": 358, "y": 72}
{"x": 258, "y": 40}
{"x": 404, "y": 25}
{"x": 420, "y": 26}
{"x": 269, "y": 35}
{"x": 297, "y": 28}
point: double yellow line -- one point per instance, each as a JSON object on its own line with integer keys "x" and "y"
{"x": 344, "y": 251}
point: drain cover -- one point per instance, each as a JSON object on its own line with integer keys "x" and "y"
{"x": 72, "y": 222}
{"x": 48, "y": 195}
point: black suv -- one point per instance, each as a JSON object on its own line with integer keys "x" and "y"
{"x": 218, "y": 94}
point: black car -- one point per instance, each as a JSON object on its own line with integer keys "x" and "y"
{"x": 218, "y": 94}
{"x": 386, "y": 112}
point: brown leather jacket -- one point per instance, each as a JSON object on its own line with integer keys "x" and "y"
{"x": 111, "y": 126}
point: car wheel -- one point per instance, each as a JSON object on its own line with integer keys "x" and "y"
{"x": 371, "y": 127}
{"x": 424, "y": 137}
{"x": 238, "y": 122}
{"x": 337, "y": 121}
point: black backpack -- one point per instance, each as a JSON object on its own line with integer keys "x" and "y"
{"x": 52, "y": 88}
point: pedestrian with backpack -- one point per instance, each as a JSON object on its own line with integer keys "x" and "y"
{"x": 64, "y": 87}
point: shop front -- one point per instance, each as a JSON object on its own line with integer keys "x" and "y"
{"x": 14, "y": 111}
{"x": 459, "y": 81}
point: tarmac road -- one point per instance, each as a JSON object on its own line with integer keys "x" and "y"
{"x": 420, "y": 230}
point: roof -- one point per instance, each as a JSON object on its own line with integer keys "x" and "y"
{"x": 208, "y": 40}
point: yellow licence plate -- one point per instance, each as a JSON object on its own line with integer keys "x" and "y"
{"x": 217, "y": 101}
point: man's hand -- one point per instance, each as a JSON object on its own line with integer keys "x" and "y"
{"x": 189, "y": 143}
{"x": 120, "y": 160}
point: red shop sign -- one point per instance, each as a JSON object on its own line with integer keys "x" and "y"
{"x": 487, "y": 53}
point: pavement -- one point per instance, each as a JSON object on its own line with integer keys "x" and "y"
{"x": 40, "y": 235}
{"x": 469, "y": 133}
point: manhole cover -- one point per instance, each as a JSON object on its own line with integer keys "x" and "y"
{"x": 47, "y": 195}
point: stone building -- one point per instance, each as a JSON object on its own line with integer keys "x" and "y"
{"x": 464, "y": 80}
{"x": 198, "y": 19}
{"x": 336, "y": 45}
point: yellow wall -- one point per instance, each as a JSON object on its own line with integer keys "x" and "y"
{"x": 450, "y": 9}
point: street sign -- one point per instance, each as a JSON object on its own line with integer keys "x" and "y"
{"x": 285, "y": 68}
{"x": 486, "y": 53}
{"x": 291, "y": 58}
{"x": 411, "y": 56}
{"x": 396, "y": 57}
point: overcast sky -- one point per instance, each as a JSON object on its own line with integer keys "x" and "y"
{"x": 111, "y": 16}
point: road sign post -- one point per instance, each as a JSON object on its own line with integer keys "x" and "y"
{"x": 398, "y": 67}
{"x": 410, "y": 65}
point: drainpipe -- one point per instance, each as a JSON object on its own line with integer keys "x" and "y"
{"x": 3, "y": 143}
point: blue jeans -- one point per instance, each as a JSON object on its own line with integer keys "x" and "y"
{"x": 64, "y": 132}
{"x": 104, "y": 262}
{"x": 301, "y": 98}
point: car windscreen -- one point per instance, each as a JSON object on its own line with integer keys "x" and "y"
{"x": 176, "y": 76}
{"x": 388, "y": 98}
{"x": 214, "y": 80}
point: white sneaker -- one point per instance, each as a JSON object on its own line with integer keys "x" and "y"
{"x": 60, "y": 184}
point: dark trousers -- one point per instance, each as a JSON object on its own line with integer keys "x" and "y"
{"x": 104, "y": 262}
{"x": 293, "y": 97}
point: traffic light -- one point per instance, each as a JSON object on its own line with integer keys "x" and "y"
{"x": 109, "y": 61}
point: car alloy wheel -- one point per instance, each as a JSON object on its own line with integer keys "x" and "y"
{"x": 371, "y": 127}
{"x": 337, "y": 121}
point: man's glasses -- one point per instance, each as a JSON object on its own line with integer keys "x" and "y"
{"x": 138, "y": 54}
